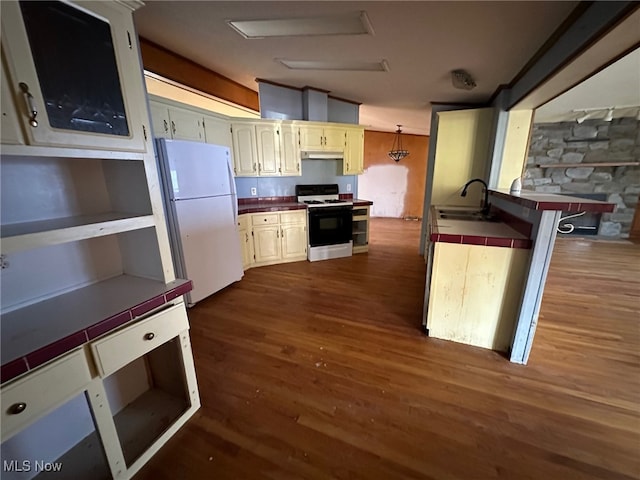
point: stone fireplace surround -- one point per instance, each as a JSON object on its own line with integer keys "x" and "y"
{"x": 592, "y": 157}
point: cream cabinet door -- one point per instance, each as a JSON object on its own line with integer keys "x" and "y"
{"x": 353, "y": 163}
{"x": 245, "y": 154}
{"x": 217, "y": 131}
{"x": 88, "y": 109}
{"x": 289, "y": 151}
{"x": 268, "y": 147}
{"x": 186, "y": 125}
{"x": 334, "y": 139}
{"x": 462, "y": 153}
{"x": 266, "y": 243}
{"x": 159, "y": 120}
{"x": 311, "y": 137}
{"x": 9, "y": 122}
{"x": 294, "y": 240}
{"x": 246, "y": 247}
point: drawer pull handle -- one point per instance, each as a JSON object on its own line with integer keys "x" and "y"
{"x": 149, "y": 336}
{"x": 17, "y": 408}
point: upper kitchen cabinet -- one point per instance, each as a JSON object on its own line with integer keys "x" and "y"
{"x": 11, "y": 133}
{"x": 265, "y": 148}
{"x": 88, "y": 93}
{"x": 176, "y": 123}
{"x": 322, "y": 137}
{"x": 171, "y": 119}
{"x": 353, "y": 163}
{"x": 245, "y": 154}
{"x": 462, "y": 153}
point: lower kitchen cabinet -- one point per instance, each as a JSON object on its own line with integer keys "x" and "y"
{"x": 103, "y": 422}
{"x": 267, "y": 246}
{"x": 360, "y": 227}
{"x": 490, "y": 281}
{"x": 293, "y": 232}
{"x": 246, "y": 240}
{"x": 274, "y": 237}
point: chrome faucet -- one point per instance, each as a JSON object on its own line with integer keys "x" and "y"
{"x": 485, "y": 205}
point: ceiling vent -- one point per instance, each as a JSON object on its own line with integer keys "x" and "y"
{"x": 463, "y": 80}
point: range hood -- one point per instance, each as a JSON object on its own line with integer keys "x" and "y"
{"x": 322, "y": 155}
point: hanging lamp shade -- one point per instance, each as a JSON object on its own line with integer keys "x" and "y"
{"x": 397, "y": 152}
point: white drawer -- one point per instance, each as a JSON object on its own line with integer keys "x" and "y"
{"x": 117, "y": 350}
{"x": 296, "y": 216}
{"x": 38, "y": 393}
{"x": 264, "y": 219}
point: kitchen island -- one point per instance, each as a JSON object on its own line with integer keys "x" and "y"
{"x": 475, "y": 273}
{"x": 486, "y": 276}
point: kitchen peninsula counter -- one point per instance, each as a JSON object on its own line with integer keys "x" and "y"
{"x": 499, "y": 232}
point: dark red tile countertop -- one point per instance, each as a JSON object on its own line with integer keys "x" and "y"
{"x": 550, "y": 201}
{"x": 490, "y": 234}
{"x": 20, "y": 356}
{"x": 268, "y": 204}
{"x": 273, "y": 204}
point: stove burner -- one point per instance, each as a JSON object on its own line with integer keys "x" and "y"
{"x": 312, "y": 202}
{"x": 334, "y": 200}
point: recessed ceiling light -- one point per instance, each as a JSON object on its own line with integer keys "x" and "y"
{"x": 347, "y": 24}
{"x": 346, "y": 65}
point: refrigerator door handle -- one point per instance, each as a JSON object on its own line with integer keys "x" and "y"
{"x": 232, "y": 185}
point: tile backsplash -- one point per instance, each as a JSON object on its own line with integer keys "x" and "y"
{"x": 313, "y": 171}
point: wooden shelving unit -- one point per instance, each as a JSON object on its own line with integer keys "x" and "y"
{"x": 599, "y": 164}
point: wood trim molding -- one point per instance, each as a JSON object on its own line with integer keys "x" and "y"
{"x": 170, "y": 65}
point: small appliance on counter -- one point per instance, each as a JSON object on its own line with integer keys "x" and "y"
{"x": 329, "y": 220}
{"x": 202, "y": 212}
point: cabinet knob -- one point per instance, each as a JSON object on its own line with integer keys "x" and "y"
{"x": 33, "y": 113}
{"x": 17, "y": 408}
{"x": 265, "y": 219}
{"x": 149, "y": 336}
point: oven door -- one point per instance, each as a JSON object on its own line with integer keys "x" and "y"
{"x": 330, "y": 225}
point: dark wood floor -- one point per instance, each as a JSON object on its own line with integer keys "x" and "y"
{"x": 320, "y": 371}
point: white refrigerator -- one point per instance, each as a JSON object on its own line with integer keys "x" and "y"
{"x": 202, "y": 214}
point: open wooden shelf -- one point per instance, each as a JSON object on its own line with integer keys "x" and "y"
{"x": 600, "y": 164}
{"x": 28, "y": 235}
{"x": 38, "y": 151}
{"x": 85, "y": 460}
{"x": 144, "y": 420}
{"x": 32, "y": 327}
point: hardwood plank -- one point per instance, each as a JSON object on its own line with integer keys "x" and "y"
{"x": 320, "y": 371}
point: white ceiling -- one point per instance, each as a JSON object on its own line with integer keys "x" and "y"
{"x": 422, "y": 41}
{"x": 616, "y": 86}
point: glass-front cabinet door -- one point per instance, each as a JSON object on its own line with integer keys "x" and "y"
{"x": 75, "y": 74}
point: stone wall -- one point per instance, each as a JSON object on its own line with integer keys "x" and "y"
{"x": 579, "y": 146}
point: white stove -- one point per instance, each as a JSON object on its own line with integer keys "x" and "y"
{"x": 315, "y": 201}
{"x": 329, "y": 219}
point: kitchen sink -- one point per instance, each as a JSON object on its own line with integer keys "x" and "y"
{"x": 466, "y": 216}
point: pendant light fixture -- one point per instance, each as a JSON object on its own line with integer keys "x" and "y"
{"x": 397, "y": 152}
